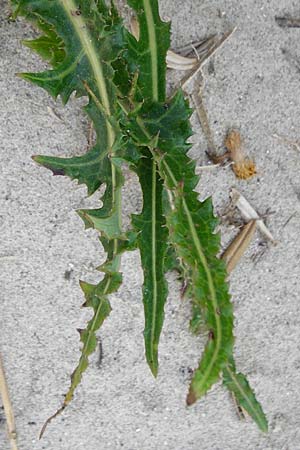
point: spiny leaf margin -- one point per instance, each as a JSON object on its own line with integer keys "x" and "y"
{"x": 191, "y": 226}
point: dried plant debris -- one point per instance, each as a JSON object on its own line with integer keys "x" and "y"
{"x": 238, "y": 246}
{"x": 200, "y": 47}
{"x": 136, "y": 123}
{"x": 211, "y": 47}
{"x": 243, "y": 167}
{"x": 8, "y": 410}
{"x": 288, "y": 22}
{"x": 249, "y": 213}
{"x": 204, "y": 122}
{"x": 291, "y": 58}
{"x": 178, "y": 62}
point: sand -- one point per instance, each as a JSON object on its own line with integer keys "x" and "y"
{"x": 251, "y": 84}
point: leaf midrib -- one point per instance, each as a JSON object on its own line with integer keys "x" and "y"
{"x": 152, "y": 48}
{"x": 153, "y": 232}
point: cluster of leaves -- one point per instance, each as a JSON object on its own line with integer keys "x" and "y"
{"x": 92, "y": 54}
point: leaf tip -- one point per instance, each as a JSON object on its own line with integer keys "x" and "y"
{"x": 154, "y": 369}
{"x": 44, "y": 161}
{"x": 191, "y": 397}
{"x": 57, "y": 413}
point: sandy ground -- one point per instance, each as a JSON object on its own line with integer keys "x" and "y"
{"x": 253, "y": 84}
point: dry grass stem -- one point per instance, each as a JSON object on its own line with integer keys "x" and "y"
{"x": 238, "y": 246}
{"x": 8, "y": 410}
{"x": 288, "y": 22}
{"x": 204, "y": 122}
{"x": 179, "y": 62}
{"x": 212, "y": 48}
{"x": 198, "y": 47}
{"x": 249, "y": 213}
{"x": 200, "y": 169}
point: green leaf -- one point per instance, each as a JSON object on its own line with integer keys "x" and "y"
{"x": 147, "y": 58}
{"x": 152, "y": 243}
{"x": 82, "y": 40}
{"x": 96, "y": 298}
{"x": 237, "y": 384}
{"x": 191, "y": 225}
{"x": 91, "y": 54}
{"x": 91, "y": 169}
{"x": 89, "y": 47}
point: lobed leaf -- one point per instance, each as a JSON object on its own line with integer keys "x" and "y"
{"x": 191, "y": 226}
{"x": 93, "y": 55}
{"x": 96, "y": 298}
{"x": 82, "y": 40}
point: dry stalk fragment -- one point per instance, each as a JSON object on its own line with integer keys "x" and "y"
{"x": 249, "y": 213}
{"x": 288, "y": 22}
{"x": 179, "y": 62}
{"x": 8, "y": 410}
{"x": 212, "y": 46}
{"x": 204, "y": 122}
{"x": 238, "y": 246}
{"x": 199, "y": 47}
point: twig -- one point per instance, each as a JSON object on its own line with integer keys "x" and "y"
{"x": 179, "y": 62}
{"x": 197, "y": 94}
{"x": 287, "y": 22}
{"x": 199, "y": 169}
{"x": 11, "y": 427}
{"x": 289, "y": 219}
{"x": 204, "y": 122}
{"x": 217, "y": 45}
{"x": 201, "y": 47}
{"x": 100, "y": 357}
{"x": 203, "y": 59}
{"x": 238, "y": 246}
{"x": 249, "y": 213}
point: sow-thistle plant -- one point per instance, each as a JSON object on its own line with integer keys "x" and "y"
{"x": 92, "y": 54}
